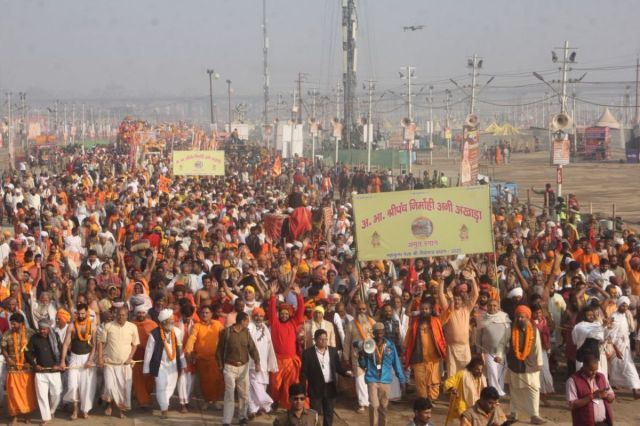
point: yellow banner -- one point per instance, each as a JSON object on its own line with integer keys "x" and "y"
{"x": 198, "y": 163}
{"x": 421, "y": 223}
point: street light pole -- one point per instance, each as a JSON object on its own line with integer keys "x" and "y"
{"x": 211, "y": 73}
{"x": 229, "y": 96}
{"x": 430, "y": 125}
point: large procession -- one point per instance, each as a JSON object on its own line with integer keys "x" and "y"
{"x": 294, "y": 239}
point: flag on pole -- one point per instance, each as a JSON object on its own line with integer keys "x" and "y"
{"x": 276, "y": 170}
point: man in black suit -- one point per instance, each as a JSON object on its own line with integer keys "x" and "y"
{"x": 320, "y": 363}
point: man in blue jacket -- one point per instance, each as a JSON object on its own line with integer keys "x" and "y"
{"x": 378, "y": 368}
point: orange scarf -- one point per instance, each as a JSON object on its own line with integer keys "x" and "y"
{"x": 528, "y": 342}
{"x": 170, "y": 354}
{"x": 361, "y": 330}
{"x": 20, "y": 348}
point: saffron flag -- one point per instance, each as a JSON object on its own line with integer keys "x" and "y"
{"x": 276, "y": 170}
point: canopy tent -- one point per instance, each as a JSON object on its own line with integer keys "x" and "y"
{"x": 493, "y": 128}
{"x": 607, "y": 120}
{"x": 507, "y": 130}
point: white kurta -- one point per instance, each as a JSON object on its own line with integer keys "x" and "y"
{"x": 622, "y": 372}
{"x": 168, "y": 374}
{"x": 258, "y": 396}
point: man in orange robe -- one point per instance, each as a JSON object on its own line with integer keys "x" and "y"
{"x": 143, "y": 384}
{"x": 425, "y": 347}
{"x": 21, "y": 391}
{"x": 202, "y": 346}
{"x": 284, "y": 334}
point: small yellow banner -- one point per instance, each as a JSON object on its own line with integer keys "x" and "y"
{"x": 421, "y": 223}
{"x": 198, "y": 163}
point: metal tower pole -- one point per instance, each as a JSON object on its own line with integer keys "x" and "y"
{"x": 349, "y": 30}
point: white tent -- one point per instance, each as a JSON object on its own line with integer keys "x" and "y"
{"x": 607, "y": 120}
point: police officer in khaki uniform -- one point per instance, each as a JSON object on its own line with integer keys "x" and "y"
{"x": 297, "y": 415}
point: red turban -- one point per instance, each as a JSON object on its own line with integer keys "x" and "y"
{"x": 286, "y": 307}
{"x": 523, "y": 309}
{"x": 257, "y": 311}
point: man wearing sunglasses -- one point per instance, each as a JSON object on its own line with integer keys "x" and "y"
{"x": 297, "y": 415}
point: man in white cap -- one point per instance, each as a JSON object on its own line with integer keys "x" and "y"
{"x": 116, "y": 347}
{"x": 622, "y": 369}
{"x": 80, "y": 344}
{"x": 318, "y": 323}
{"x": 514, "y": 298}
{"x": 164, "y": 360}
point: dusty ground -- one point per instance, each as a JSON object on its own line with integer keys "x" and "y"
{"x": 597, "y": 185}
{"x": 625, "y": 410}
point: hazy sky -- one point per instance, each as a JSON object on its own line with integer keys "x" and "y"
{"x": 92, "y": 48}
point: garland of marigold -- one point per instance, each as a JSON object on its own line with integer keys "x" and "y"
{"x": 528, "y": 342}
{"x": 171, "y": 355}
{"x": 19, "y": 348}
{"x": 361, "y": 330}
{"x": 87, "y": 328}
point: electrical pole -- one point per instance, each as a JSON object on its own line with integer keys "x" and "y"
{"x": 369, "y": 126}
{"x": 563, "y": 92}
{"x": 211, "y": 74}
{"x": 474, "y": 65}
{"x": 229, "y": 97}
{"x": 299, "y": 105}
{"x": 12, "y": 157}
{"x": 349, "y": 30}
{"x": 408, "y": 73}
{"x": 65, "y": 132}
{"x": 431, "y": 125}
{"x": 82, "y": 123}
{"x": 265, "y": 65}
{"x": 338, "y": 93}
{"x": 636, "y": 119}
{"x": 314, "y": 132}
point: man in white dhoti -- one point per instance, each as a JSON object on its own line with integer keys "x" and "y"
{"x": 622, "y": 369}
{"x": 164, "y": 360}
{"x": 80, "y": 345}
{"x": 589, "y": 337}
{"x": 492, "y": 339}
{"x": 259, "y": 400}
{"x": 43, "y": 354}
{"x": 116, "y": 347}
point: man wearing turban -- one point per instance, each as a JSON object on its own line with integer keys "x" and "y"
{"x": 524, "y": 361}
{"x": 20, "y": 385}
{"x": 259, "y": 399}
{"x": 622, "y": 369}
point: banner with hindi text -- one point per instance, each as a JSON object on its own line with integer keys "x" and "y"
{"x": 420, "y": 223}
{"x": 198, "y": 163}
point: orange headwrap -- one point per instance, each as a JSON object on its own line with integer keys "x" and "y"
{"x": 63, "y": 316}
{"x": 257, "y": 311}
{"x": 523, "y": 309}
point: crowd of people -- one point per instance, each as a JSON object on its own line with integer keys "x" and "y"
{"x": 124, "y": 283}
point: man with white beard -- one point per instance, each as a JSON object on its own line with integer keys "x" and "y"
{"x": 492, "y": 338}
{"x": 259, "y": 400}
{"x": 164, "y": 360}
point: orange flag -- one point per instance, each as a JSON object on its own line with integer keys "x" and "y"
{"x": 276, "y": 170}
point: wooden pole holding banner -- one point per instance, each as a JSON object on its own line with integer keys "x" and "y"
{"x": 614, "y": 219}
